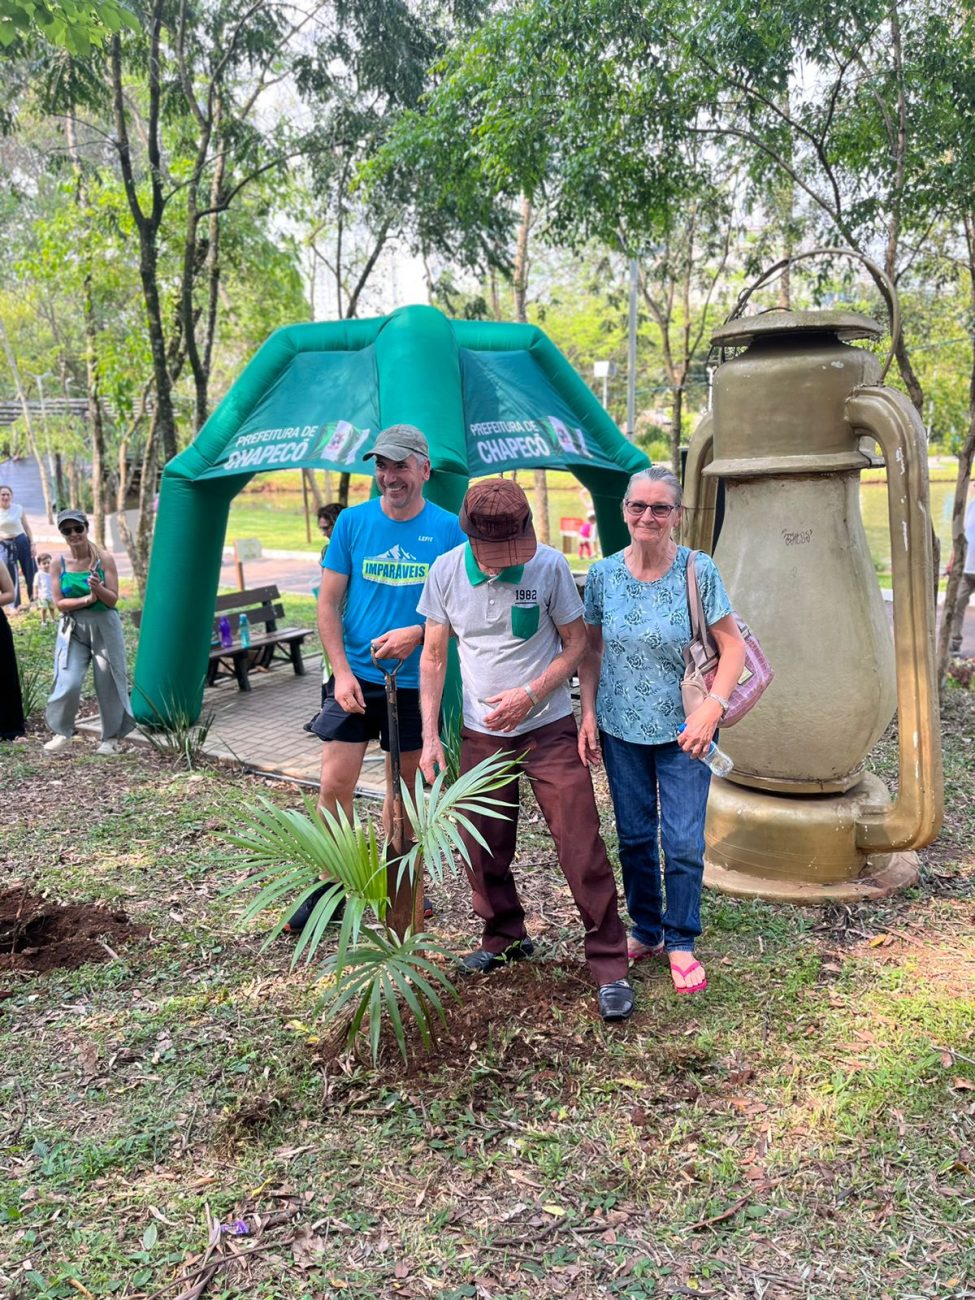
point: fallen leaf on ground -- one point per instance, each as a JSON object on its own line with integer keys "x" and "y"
{"x": 307, "y": 1248}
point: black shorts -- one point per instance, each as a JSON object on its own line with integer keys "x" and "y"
{"x": 333, "y": 723}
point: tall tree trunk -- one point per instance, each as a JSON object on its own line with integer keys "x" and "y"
{"x": 965, "y": 460}
{"x": 96, "y": 425}
{"x": 676, "y": 421}
{"x": 214, "y": 269}
{"x": 59, "y": 487}
{"x": 139, "y": 543}
{"x": 312, "y": 483}
{"x": 148, "y": 223}
{"x": 519, "y": 281}
{"x": 495, "y": 295}
{"x": 783, "y": 206}
{"x": 520, "y": 287}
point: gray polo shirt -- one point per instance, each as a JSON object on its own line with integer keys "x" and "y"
{"x": 506, "y": 627}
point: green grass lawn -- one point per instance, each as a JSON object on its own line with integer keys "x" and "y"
{"x": 805, "y": 1129}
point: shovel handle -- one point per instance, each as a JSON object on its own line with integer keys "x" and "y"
{"x": 388, "y": 673}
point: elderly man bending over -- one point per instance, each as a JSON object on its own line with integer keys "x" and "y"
{"x": 517, "y": 616}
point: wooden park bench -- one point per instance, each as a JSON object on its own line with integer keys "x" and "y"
{"x": 269, "y": 645}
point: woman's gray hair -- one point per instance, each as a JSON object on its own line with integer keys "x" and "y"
{"x": 656, "y": 474}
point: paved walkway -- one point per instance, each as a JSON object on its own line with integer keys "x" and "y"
{"x": 262, "y": 728}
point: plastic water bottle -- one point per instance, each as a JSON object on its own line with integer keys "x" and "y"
{"x": 244, "y": 627}
{"x": 226, "y": 635}
{"x": 716, "y": 759}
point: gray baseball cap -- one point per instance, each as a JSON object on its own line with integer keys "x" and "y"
{"x": 72, "y": 516}
{"x": 399, "y": 441}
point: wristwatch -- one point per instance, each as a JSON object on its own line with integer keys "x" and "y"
{"x": 532, "y": 696}
{"x": 721, "y": 700}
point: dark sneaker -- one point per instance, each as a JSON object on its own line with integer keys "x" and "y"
{"x": 616, "y": 1000}
{"x": 483, "y": 962}
{"x": 299, "y": 918}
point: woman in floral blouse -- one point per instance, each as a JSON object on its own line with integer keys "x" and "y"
{"x": 639, "y": 624}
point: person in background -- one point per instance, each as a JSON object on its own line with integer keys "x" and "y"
{"x": 11, "y": 701}
{"x": 967, "y": 584}
{"x": 639, "y": 624}
{"x": 42, "y": 594}
{"x": 84, "y": 585}
{"x": 587, "y": 537}
{"x": 16, "y": 544}
{"x": 517, "y": 616}
{"x": 327, "y": 515}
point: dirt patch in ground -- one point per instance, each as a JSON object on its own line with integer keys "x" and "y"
{"x": 518, "y": 1018}
{"x": 37, "y": 934}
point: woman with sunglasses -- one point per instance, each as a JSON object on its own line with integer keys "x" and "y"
{"x": 84, "y": 584}
{"x": 639, "y": 624}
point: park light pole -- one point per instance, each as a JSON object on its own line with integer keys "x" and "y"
{"x": 604, "y": 370}
{"x": 631, "y": 350}
{"x": 39, "y": 381}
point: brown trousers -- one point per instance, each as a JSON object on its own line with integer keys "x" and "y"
{"x": 564, "y": 792}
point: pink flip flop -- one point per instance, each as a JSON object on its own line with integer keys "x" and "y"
{"x": 684, "y": 972}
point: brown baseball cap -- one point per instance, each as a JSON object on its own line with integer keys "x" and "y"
{"x": 497, "y": 518}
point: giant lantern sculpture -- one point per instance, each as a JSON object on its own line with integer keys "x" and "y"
{"x": 796, "y": 415}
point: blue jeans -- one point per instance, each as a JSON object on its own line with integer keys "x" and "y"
{"x": 658, "y": 790}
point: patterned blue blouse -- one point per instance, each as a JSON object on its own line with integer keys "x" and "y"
{"x": 646, "y": 626}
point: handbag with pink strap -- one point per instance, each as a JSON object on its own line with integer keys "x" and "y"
{"x": 701, "y": 661}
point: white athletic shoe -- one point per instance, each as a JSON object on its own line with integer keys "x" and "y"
{"x": 107, "y": 747}
{"x": 58, "y": 743}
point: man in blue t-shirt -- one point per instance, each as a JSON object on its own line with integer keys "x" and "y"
{"x": 372, "y": 577}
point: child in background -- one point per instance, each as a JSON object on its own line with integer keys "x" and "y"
{"x": 42, "y": 595}
{"x": 587, "y": 537}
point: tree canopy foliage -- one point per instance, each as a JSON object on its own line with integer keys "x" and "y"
{"x": 172, "y": 188}
{"x": 77, "y": 26}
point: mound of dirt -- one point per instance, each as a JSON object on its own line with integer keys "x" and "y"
{"x": 37, "y": 934}
{"x": 518, "y": 1015}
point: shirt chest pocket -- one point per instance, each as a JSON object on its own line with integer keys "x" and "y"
{"x": 524, "y": 621}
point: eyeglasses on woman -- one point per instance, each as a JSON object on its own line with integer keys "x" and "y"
{"x": 657, "y": 509}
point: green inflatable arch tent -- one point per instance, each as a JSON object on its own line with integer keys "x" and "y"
{"x": 489, "y": 397}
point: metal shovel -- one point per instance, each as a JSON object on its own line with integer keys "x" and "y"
{"x": 406, "y": 897}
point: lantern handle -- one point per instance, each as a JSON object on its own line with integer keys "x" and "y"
{"x": 914, "y": 818}
{"x": 881, "y": 278}
{"x": 700, "y": 493}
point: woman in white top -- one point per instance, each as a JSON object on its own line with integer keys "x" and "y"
{"x": 16, "y": 544}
